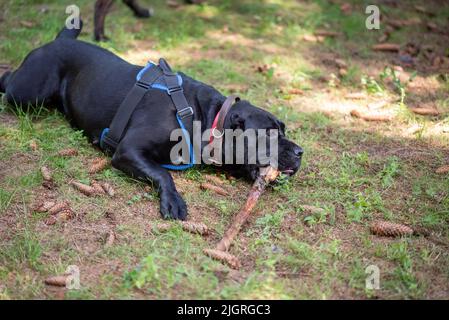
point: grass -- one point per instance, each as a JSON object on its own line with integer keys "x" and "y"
{"x": 356, "y": 172}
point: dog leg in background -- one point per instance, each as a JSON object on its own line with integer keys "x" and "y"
{"x": 138, "y": 10}
{"x": 134, "y": 163}
{"x": 101, "y": 10}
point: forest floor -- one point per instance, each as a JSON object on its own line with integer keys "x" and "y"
{"x": 357, "y": 171}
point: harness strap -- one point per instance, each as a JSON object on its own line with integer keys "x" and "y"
{"x": 112, "y": 137}
{"x": 176, "y": 92}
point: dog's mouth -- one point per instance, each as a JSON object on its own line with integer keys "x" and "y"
{"x": 285, "y": 171}
{"x": 288, "y": 171}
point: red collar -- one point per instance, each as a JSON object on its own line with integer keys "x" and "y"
{"x": 214, "y": 127}
{"x": 217, "y": 130}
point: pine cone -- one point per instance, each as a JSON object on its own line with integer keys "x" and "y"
{"x": 390, "y": 229}
{"x": 65, "y": 215}
{"x": 195, "y": 227}
{"x": 97, "y": 187}
{"x": 87, "y": 190}
{"x": 108, "y": 189}
{"x": 58, "y": 208}
{"x": 68, "y": 152}
{"x": 98, "y": 164}
{"x": 43, "y": 206}
{"x": 223, "y": 256}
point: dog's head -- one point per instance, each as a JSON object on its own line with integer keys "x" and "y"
{"x": 244, "y": 116}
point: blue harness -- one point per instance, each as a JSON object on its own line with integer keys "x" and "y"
{"x": 154, "y": 77}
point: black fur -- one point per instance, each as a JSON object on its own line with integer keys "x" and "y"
{"x": 88, "y": 83}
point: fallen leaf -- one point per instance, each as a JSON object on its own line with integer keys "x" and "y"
{"x": 173, "y": 4}
{"x": 346, "y": 8}
{"x": 432, "y": 26}
{"x": 296, "y": 91}
{"x": 391, "y": 47}
{"x": 325, "y": 33}
{"x": 312, "y": 38}
{"x": 380, "y": 118}
{"x": 27, "y": 24}
{"x": 425, "y": 111}
{"x": 442, "y": 170}
{"x": 356, "y": 96}
{"x": 341, "y": 63}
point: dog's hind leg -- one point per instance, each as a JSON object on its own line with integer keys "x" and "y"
{"x": 35, "y": 82}
{"x": 138, "y": 10}
{"x": 101, "y": 10}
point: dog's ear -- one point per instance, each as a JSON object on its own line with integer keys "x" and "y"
{"x": 237, "y": 122}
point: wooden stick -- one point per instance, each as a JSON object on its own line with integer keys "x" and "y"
{"x": 266, "y": 176}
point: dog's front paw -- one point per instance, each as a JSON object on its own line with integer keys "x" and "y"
{"x": 173, "y": 206}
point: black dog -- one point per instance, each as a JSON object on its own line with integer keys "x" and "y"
{"x": 88, "y": 83}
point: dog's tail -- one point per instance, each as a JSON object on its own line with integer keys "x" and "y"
{"x": 72, "y": 31}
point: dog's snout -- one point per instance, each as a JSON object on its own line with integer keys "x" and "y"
{"x": 297, "y": 150}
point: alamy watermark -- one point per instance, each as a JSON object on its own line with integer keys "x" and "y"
{"x": 373, "y": 20}
{"x": 73, "y": 21}
{"x": 372, "y": 281}
{"x": 72, "y": 281}
{"x": 232, "y": 146}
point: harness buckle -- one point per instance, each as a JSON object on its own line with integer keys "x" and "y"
{"x": 143, "y": 84}
{"x": 186, "y": 112}
{"x": 172, "y": 90}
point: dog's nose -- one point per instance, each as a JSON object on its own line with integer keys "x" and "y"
{"x": 297, "y": 150}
